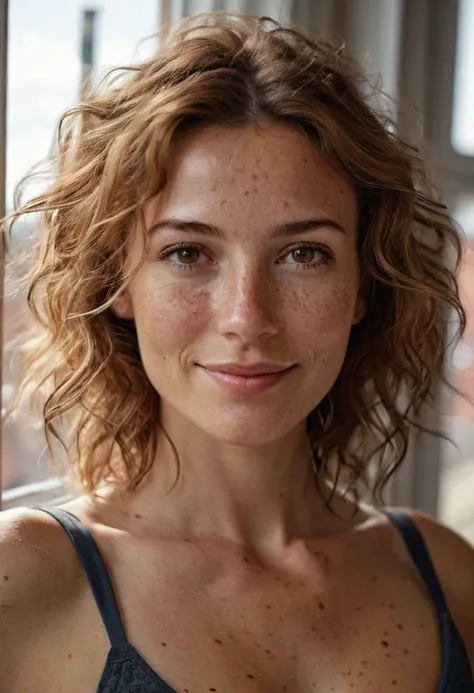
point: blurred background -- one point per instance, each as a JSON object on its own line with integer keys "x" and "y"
{"x": 423, "y": 52}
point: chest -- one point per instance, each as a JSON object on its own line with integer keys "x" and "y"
{"x": 212, "y": 626}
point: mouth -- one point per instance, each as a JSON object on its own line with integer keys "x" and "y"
{"x": 247, "y": 384}
{"x": 247, "y": 370}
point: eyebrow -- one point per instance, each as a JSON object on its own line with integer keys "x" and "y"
{"x": 291, "y": 228}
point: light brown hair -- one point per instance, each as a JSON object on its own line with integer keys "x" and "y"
{"x": 114, "y": 151}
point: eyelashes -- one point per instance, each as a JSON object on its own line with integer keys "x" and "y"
{"x": 166, "y": 255}
{"x": 327, "y": 256}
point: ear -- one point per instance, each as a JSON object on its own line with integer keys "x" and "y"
{"x": 123, "y": 306}
{"x": 360, "y": 308}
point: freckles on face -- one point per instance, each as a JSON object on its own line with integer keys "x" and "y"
{"x": 173, "y": 317}
{"x": 247, "y": 299}
{"x": 169, "y": 319}
{"x": 323, "y": 328}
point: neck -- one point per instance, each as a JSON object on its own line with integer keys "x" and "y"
{"x": 262, "y": 498}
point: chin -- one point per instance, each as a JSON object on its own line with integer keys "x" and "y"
{"x": 250, "y": 430}
{"x": 246, "y": 439}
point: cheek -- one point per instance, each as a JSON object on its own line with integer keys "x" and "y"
{"x": 322, "y": 313}
{"x": 170, "y": 316}
{"x": 322, "y": 331}
{"x": 167, "y": 316}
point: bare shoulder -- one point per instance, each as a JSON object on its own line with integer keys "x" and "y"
{"x": 37, "y": 577}
{"x": 27, "y": 540}
{"x": 31, "y": 550}
{"x": 453, "y": 560}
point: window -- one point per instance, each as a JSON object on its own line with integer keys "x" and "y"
{"x": 454, "y": 50}
{"x": 44, "y": 78}
{"x": 457, "y": 470}
{"x": 462, "y": 135}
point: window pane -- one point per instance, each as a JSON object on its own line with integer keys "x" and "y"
{"x": 457, "y": 478}
{"x": 44, "y": 78}
{"x": 463, "y": 105}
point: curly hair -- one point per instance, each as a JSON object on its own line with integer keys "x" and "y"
{"x": 113, "y": 153}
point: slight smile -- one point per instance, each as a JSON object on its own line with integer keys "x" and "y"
{"x": 247, "y": 384}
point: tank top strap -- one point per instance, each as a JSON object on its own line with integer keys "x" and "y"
{"x": 420, "y": 555}
{"x": 96, "y": 572}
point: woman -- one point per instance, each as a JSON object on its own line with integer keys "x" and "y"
{"x": 238, "y": 277}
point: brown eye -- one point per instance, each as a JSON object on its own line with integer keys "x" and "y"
{"x": 187, "y": 255}
{"x": 303, "y": 255}
{"x": 183, "y": 256}
{"x": 307, "y": 256}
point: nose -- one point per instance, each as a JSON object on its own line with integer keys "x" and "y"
{"x": 246, "y": 305}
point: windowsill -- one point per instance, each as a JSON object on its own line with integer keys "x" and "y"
{"x": 49, "y": 492}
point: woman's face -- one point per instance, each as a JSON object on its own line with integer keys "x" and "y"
{"x": 251, "y": 259}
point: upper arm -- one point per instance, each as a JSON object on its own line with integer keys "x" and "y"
{"x": 453, "y": 559}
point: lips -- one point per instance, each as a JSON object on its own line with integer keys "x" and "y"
{"x": 247, "y": 370}
{"x": 247, "y": 384}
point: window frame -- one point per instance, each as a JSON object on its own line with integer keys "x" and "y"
{"x": 49, "y": 491}
{"x": 453, "y": 166}
{"x": 3, "y": 138}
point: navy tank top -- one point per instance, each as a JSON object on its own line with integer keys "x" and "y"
{"x": 126, "y": 672}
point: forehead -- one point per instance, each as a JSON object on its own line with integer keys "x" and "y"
{"x": 266, "y": 172}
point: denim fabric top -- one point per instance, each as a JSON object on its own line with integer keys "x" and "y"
{"x": 126, "y": 672}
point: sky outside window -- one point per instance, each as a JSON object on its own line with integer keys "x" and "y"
{"x": 44, "y": 70}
